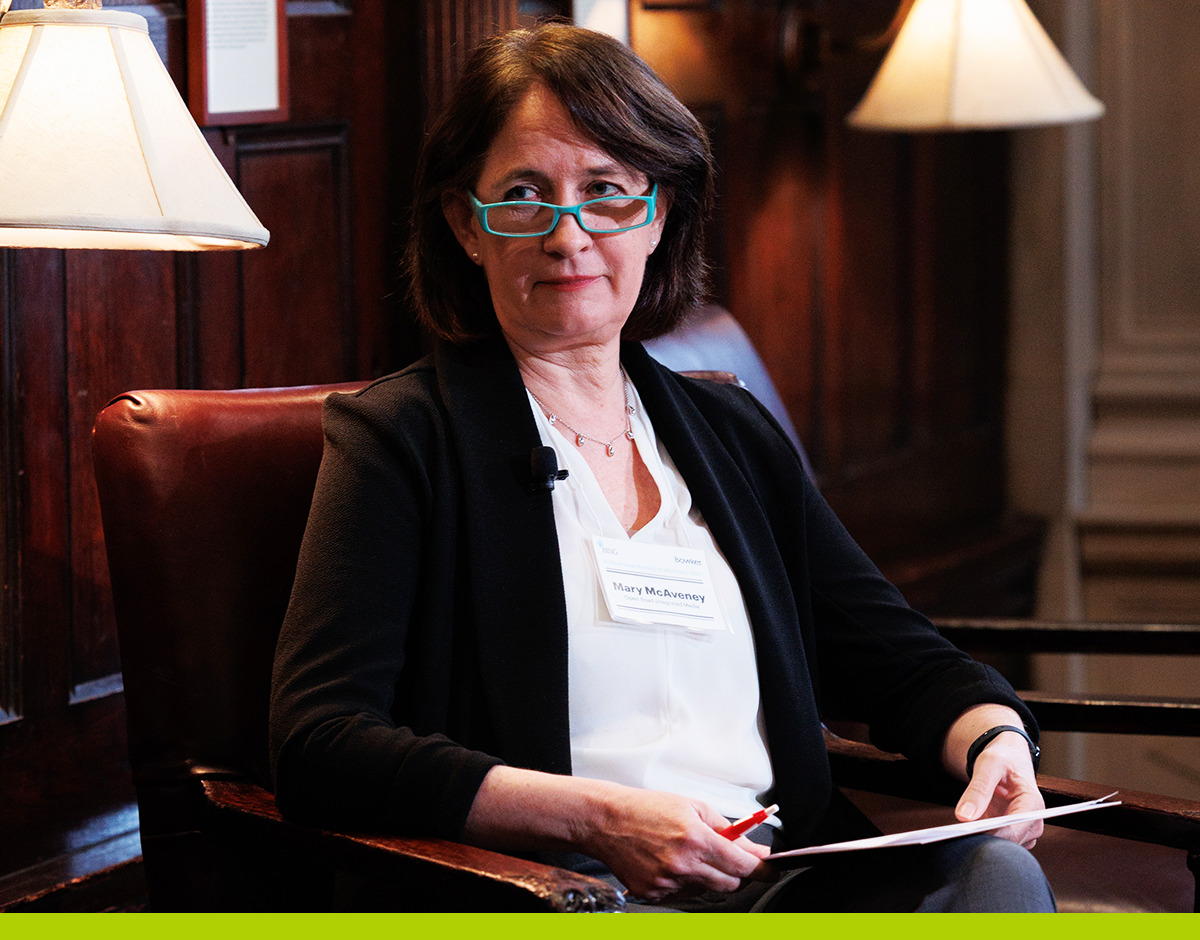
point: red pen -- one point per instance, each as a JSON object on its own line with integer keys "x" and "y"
{"x": 742, "y": 826}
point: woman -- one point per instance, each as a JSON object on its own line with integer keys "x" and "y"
{"x": 455, "y": 663}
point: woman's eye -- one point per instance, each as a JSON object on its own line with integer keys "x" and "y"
{"x": 521, "y": 194}
{"x": 605, "y": 189}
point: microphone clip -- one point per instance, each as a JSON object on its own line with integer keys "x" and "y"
{"x": 543, "y": 465}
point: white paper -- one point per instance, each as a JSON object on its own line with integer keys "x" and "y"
{"x": 243, "y": 56}
{"x": 951, "y": 831}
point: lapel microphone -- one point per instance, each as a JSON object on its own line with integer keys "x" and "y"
{"x": 543, "y": 464}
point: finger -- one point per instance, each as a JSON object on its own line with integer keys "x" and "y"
{"x": 710, "y": 815}
{"x": 763, "y": 871}
{"x": 1022, "y": 834}
{"x": 977, "y": 797}
{"x": 734, "y": 863}
{"x": 754, "y": 848}
{"x": 739, "y": 861}
{"x": 740, "y": 858}
{"x": 697, "y": 880}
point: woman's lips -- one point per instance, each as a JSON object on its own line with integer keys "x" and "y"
{"x": 576, "y": 282}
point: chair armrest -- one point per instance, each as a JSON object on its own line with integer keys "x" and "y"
{"x": 1045, "y": 636}
{"x": 1143, "y": 817}
{"x": 1115, "y": 714}
{"x": 468, "y": 878}
{"x": 1111, "y": 714}
{"x": 861, "y": 766}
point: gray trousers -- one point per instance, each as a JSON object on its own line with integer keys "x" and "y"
{"x": 973, "y": 874}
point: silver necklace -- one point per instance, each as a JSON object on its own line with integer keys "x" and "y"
{"x": 580, "y": 437}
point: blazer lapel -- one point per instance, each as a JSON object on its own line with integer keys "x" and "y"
{"x": 516, "y": 581}
{"x": 729, "y": 497}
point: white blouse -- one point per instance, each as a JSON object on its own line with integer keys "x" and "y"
{"x": 658, "y": 707}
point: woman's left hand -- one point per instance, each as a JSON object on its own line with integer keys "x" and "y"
{"x": 1003, "y": 781}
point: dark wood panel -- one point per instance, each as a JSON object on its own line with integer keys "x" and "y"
{"x": 1046, "y": 636}
{"x": 62, "y": 765}
{"x": 36, "y": 506}
{"x": 775, "y": 200}
{"x": 300, "y": 182}
{"x": 210, "y": 319}
{"x": 116, "y": 340}
{"x": 386, "y": 127}
{"x": 320, "y": 59}
{"x": 10, "y": 488}
{"x": 768, "y": 254}
{"x": 868, "y": 268}
{"x": 451, "y": 31}
{"x": 970, "y": 274}
{"x": 65, "y": 774}
{"x": 869, "y": 339}
{"x": 913, "y": 501}
{"x": 80, "y": 327}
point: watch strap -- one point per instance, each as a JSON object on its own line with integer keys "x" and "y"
{"x": 990, "y": 735}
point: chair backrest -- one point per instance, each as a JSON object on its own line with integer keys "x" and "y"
{"x": 711, "y": 339}
{"x": 204, "y": 498}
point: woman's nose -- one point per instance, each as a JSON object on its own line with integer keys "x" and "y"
{"x": 568, "y": 237}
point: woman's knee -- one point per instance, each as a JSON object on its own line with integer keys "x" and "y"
{"x": 986, "y": 873}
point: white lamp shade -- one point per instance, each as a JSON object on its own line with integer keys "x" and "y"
{"x": 963, "y": 64}
{"x": 98, "y": 150}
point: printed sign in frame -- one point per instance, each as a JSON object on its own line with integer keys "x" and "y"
{"x": 237, "y": 61}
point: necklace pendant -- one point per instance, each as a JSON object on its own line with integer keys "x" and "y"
{"x": 552, "y": 418}
{"x": 612, "y": 451}
{"x": 579, "y": 439}
{"x": 629, "y": 409}
{"x": 629, "y": 433}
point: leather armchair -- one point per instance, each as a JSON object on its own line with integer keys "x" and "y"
{"x": 204, "y": 497}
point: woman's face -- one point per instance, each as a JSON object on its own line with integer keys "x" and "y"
{"x": 568, "y": 288}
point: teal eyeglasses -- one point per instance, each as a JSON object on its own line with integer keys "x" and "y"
{"x": 604, "y": 216}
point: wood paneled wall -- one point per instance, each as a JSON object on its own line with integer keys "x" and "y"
{"x": 869, "y": 270}
{"x": 320, "y": 304}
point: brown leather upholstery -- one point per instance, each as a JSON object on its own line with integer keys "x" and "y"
{"x": 204, "y": 497}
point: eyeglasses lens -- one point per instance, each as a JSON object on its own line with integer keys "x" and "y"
{"x": 613, "y": 214}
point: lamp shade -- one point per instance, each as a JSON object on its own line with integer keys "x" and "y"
{"x": 98, "y": 150}
{"x": 963, "y": 64}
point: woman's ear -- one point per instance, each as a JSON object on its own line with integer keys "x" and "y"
{"x": 461, "y": 220}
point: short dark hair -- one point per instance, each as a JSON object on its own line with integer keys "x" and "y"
{"x": 614, "y": 98}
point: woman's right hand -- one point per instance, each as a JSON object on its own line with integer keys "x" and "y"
{"x": 657, "y": 844}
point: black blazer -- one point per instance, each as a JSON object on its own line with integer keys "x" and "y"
{"x": 426, "y": 638}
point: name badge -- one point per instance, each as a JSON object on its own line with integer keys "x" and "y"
{"x": 657, "y": 584}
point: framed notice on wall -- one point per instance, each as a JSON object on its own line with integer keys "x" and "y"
{"x": 237, "y": 61}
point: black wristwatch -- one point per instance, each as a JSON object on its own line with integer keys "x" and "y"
{"x": 985, "y": 739}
